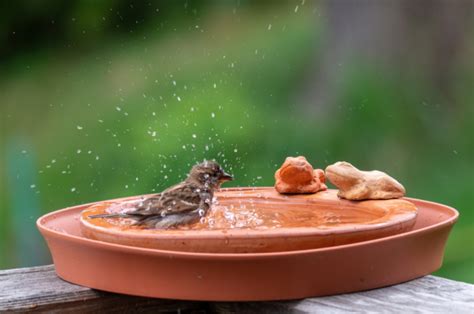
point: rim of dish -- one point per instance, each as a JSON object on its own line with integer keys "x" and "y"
{"x": 454, "y": 214}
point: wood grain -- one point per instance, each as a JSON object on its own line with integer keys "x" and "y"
{"x": 429, "y": 294}
{"x": 41, "y": 290}
{"x": 38, "y": 289}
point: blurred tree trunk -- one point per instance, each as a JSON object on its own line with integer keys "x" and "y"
{"x": 426, "y": 38}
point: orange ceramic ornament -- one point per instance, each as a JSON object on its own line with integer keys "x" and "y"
{"x": 297, "y": 176}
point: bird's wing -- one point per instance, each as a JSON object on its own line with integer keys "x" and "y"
{"x": 149, "y": 206}
{"x": 180, "y": 198}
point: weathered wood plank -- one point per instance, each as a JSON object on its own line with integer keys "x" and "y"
{"x": 40, "y": 290}
{"x": 429, "y": 294}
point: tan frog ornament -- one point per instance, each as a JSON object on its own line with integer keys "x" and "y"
{"x": 355, "y": 184}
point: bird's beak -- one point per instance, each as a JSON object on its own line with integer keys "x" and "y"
{"x": 226, "y": 177}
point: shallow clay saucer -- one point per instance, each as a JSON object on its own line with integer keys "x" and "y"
{"x": 250, "y": 220}
{"x": 247, "y": 276}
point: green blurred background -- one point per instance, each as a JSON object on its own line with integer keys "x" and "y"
{"x": 106, "y": 99}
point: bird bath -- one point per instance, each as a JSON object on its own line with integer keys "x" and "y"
{"x": 247, "y": 276}
{"x": 250, "y": 220}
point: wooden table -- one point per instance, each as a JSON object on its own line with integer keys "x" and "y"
{"x": 39, "y": 289}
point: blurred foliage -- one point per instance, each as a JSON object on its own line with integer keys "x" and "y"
{"x": 122, "y": 98}
{"x": 76, "y": 24}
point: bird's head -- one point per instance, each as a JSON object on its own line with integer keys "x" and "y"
{"x": 209, "y": 173}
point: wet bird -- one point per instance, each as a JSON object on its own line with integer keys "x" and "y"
{"x": 183, "y": 203}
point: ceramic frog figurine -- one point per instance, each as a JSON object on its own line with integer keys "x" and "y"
{"x": 355, "y": 184}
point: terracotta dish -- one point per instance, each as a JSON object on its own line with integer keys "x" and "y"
{"x": 250, "y": 220}
{"x": 251, "y": 276}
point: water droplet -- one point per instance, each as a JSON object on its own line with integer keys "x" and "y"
{"x": 78, "y": 151}
{"x": 179, "y": 98}
{"x": 118, "y": 108}
{"x": 194, "y": 135}
{"x": 269, "y": 26}
{"x": 211, "y": 222}
{"x": 79, "y": 127}
{"x": 213, "y": 115}
{"x": 73, "y": 189}
{"x": 33, "y": 186}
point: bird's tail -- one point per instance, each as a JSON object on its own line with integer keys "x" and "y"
{"x": 108, "y": 216}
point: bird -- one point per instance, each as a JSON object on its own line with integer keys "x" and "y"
{"x": 180, "y": 204}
